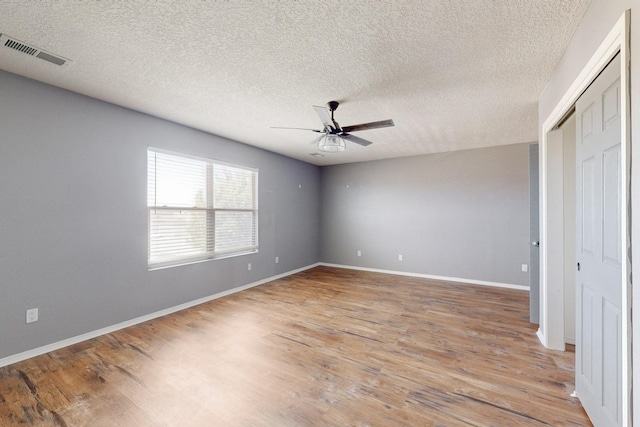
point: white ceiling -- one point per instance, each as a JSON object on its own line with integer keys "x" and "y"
{"x": 452, "y": 74}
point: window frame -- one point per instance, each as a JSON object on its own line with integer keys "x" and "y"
{"x": 209, "y": 211}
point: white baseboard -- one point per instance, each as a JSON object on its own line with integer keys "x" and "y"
{"x": 567, "y": 340}
{"x": 109, "y": 329}
{"x": 430, "y": 276}
{"x": 540, "y": 336}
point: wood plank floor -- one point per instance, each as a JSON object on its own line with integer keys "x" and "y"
{"x": 330, "y": 347}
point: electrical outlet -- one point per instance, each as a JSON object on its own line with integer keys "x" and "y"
{"x": 359, "y": 253}
{"x": 249, "y": 266}
{"x": 277, "y": 260}
{"x": 32, "y": 315}
{"x": 399, "y": 257}
{"x": 525, "y": 268}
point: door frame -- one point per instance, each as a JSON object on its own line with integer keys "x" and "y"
{"x": 551, "y": 331}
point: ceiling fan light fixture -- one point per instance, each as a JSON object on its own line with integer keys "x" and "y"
{"x": 331, "y": 144}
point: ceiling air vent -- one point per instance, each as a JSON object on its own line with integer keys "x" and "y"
{"x": 12, "y": 43}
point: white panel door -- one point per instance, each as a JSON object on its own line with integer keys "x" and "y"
{"x": 599, "y": 276}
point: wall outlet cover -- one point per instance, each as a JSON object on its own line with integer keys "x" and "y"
{"x": 32, "y": 315}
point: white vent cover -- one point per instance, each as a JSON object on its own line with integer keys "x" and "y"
{"x": 15, "y": 44}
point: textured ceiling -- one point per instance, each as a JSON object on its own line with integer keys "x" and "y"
{"x": 452, "y": 74}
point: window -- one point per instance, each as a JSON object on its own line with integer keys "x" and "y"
{"x": 199, "y": 208}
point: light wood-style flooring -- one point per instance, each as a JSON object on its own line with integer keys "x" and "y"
{"x": 325, "y": 347}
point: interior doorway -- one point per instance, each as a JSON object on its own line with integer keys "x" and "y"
{"x": 552, "y": 220}
{"x": 561, "y": 170}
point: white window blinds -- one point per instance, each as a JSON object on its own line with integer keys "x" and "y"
{"x": 199, "y": 209}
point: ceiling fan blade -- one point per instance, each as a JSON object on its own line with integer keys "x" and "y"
{"x": 356, "y": 139}
{"x": 325, "y": 117}
{"x": 312, "y": 130}
{"x": 371, "y": 125}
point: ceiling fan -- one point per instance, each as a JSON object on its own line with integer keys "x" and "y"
{"x": 333, "y": 136}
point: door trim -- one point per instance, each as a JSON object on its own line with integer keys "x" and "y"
{"x": 551, "y": 332}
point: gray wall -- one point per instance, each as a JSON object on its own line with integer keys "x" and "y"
{"x": 460, "y": 214}
{"x": 73, "y": 218}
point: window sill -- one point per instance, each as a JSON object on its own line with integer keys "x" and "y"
{"x": 171, "y": 264}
